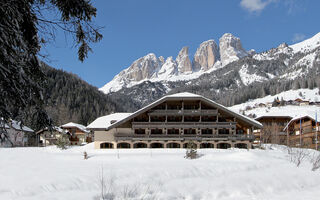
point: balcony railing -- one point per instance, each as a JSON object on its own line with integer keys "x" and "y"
{"x": 120, "y": 136}
{"x": 183, "y": 124}
{"x": 183, "y": 112}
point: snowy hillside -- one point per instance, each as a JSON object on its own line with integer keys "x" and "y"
{"x": 288, "y": 110}
{"x": 304, "y": 94}
{"x": 49, "y": 173}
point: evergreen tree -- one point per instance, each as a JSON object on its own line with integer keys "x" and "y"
{"x": 24, "y": 29}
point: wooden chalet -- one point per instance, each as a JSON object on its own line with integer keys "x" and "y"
{"x": 272, "y": 131}
{"x": 173, "y": 121}
{"x": 303, "y": 132}
{"x": 79, "y": 134}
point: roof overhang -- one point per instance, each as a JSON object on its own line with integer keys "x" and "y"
{"x": 173, "y": 97}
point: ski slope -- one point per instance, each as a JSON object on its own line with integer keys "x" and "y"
{"x": 50, "y": 173}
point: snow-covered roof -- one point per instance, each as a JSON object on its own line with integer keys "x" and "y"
{"x": 54, "y": 128}
{"x": 105, "y": 121}
{"x": 75, "y": 125}
{"x": 183, "y": 94}
{"x": 186, "y": 95}
{"x": 17, "y": 126}
{"x": 301, "y": 116}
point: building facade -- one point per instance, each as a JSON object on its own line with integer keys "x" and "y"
{"x": 303, "y": 132}
{"x": 46, "y": 137}
{"x": 273, "y": 129}
{"x": 16, "y": 135}
{"x": 78, "y": 133}
{"x": 172, "y": 122}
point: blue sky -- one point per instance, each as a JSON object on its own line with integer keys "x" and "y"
{"x": 134, "y": 28}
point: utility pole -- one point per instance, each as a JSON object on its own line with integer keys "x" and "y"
{"x": 300, "y": 133}
{"x": 287, "y": 133}
{"x": 316, "y": 132}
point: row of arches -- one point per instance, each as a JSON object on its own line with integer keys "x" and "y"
{"x": 203, "y": 145}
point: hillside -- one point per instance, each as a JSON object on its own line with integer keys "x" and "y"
{"x": 68, "y": 98}
{"x": 259, "y": 107}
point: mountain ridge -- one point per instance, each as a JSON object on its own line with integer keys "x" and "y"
{"x": 252, "y": 76}
{"x": 206, "y": 59}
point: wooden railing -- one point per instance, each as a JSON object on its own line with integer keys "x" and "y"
{"x": 120, "y": 136}
{"x": 183, "y": 124}
{"x": 183, "y": 112}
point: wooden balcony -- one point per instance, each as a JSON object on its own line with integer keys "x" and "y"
{"x": 184, "y": 124}
{"x": 183, "y": 112}
{"x": 177, "y": 137}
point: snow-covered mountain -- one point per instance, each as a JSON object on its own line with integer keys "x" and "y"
{"x": 284, "y": 62}
{"x": 229, "y": 80}
{"x": 207, "y": 58}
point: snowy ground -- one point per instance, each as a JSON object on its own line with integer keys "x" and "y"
{"x": 49, "y": 173}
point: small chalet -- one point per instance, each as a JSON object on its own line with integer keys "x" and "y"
{"x": 303, "y": 131}
{"x": 17, "y": 135}
{"x": 304, "y": 103}
{"x": 262, "y": 105}
{"x": 272, "y": 131}
{"x": 47, "y": 136}
{"x": 79, "y": 134}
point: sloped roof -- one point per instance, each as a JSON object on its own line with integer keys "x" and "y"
{"x": 54, "y": 128}
{"x": 185, "y": 96}
{"x": 75, "y": 125}
{"x": 298, "y": 117}
{"x": 273, "y": 115}
{"x": 105, "y": 122}
{"x": 17, "y": 126}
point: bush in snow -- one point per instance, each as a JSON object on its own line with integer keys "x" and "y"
{"x": 191, "y": 151}
{"x": 109, "y": 190}
{"x": 297, "y": 155}
{"x": 315, "y": 162}
{"x": 63, "y": 142}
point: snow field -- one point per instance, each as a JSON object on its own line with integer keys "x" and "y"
{"x": 50, "y": 173}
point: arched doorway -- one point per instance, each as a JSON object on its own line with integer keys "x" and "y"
{"x": 140, "y": 145}
{"x": 185, "y": 145}
{"x": 173, "y": 145}
{"x": 206, "y": 145}
{"x": 123, "y": 145}
{"x": 106, "y": 145}
{"x": 241, "y": 145}
{"x": 223, "y": 146}
{"x": 156, "y": 145}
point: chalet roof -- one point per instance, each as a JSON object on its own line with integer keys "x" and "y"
{"x": 302, "y": 116}
{"x": 75, "y": 125}
{"x": 273, "y": 115}
{"x": 54, "y": 128}
{"x": 105, "y": 122}
{"x": 185, "y": 96}
{"x": 17, "y": 126}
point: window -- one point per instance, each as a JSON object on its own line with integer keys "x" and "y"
{"x": 156, "y": 131}
{"x": 173, "y": 131}
{"x": 206, "y": 131}
{"x": 140, "y": 131}
{"x": 223, "y": 131}
{"x": 190, "y": 131}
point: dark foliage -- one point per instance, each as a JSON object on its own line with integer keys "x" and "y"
{"x": 24, "y": 27}
{"x": 68, "y": 98}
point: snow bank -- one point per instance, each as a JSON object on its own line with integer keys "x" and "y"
{"x": 50, "y": 173}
